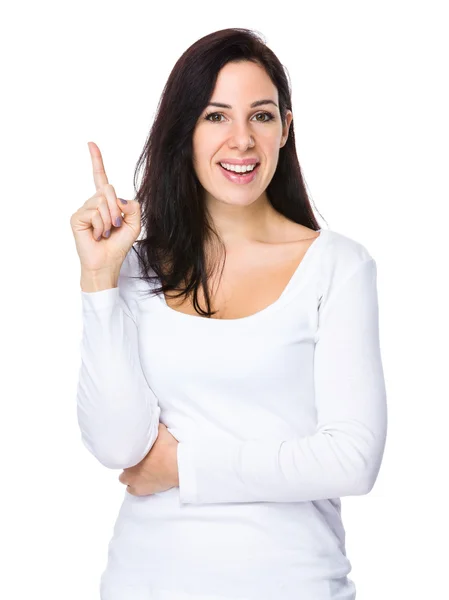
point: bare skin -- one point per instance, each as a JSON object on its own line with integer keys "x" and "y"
{"x": 158, "y": 470}
{"x": 255, "y": 274}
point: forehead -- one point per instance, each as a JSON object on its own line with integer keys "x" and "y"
{"x": 243, "y": 82}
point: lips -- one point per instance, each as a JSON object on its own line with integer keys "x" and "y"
{"x": 236, "y": 178}
{"x": 241, "y": 162}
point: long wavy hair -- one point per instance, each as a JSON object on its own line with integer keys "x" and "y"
{"x": 175, "y": 222}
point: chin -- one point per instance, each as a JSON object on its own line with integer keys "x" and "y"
{"x": 238, "y": 199}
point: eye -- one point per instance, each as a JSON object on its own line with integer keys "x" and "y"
{"x": 267, "y": 114}
{"x": 214, "y": 114}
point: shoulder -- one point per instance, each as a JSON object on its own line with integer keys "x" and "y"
{"x": 341, "y": 258}
{"x": 344, "y": 252}
{"x": 130, "y": 284}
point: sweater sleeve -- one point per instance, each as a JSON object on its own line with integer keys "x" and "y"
{"x": 118, "y": 413}
{"x": 343, "y": 456}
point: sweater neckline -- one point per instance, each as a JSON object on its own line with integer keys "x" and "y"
{"x": 297, "y": 275}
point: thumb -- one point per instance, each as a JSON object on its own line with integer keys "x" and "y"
{"x": 131, "y": 210}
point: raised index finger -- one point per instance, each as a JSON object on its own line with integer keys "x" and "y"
{"x": 100, "y": 178}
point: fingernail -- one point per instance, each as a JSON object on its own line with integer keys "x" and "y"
{"x": 108, "y": 233}
{"x": 118, "y": 221}
{"x": 123, "y": 201}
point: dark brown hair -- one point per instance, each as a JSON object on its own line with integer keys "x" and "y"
{"x": 175, "y": 222}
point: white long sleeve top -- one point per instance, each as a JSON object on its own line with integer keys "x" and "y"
{"x": 278, "y": 415}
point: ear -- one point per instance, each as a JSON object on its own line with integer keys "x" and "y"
{"x": 285, "y": 129}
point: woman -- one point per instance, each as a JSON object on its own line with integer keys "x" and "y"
{"x": 241, "y": 391}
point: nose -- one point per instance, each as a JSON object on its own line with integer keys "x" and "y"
{"x": 241, "y": 138}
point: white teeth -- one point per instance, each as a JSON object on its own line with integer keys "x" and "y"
{"x": 238, "y": 168}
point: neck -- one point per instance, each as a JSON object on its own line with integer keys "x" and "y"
{"x": 237, "y": 225}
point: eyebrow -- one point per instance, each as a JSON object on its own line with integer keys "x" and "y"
{"x": 253, "y": 105}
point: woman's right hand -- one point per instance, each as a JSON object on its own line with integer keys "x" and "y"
{"x": 98, "y": 215}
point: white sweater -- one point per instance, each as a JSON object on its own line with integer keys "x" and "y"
{"x": 278, "y": 415}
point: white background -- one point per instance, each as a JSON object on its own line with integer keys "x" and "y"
{"x": 370, "y": 104}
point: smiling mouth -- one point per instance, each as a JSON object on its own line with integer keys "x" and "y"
{"x": 237, "y": 173}
{"x": 240, "y": 178}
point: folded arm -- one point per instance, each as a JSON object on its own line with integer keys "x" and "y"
{"x": 118, "y": 413}
{"x": 343, "y": 456}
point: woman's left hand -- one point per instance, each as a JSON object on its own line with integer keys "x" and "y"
{"x": 158, "y": 471}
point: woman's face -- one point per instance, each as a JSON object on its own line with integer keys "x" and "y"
{"x": 239, "y": 131}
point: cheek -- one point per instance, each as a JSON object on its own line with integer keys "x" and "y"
{"x": 206, "y": 158}
{"x": 271, "y": 142}
{"x": 204, "y": 149}
{"x": 272, "y": 149}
